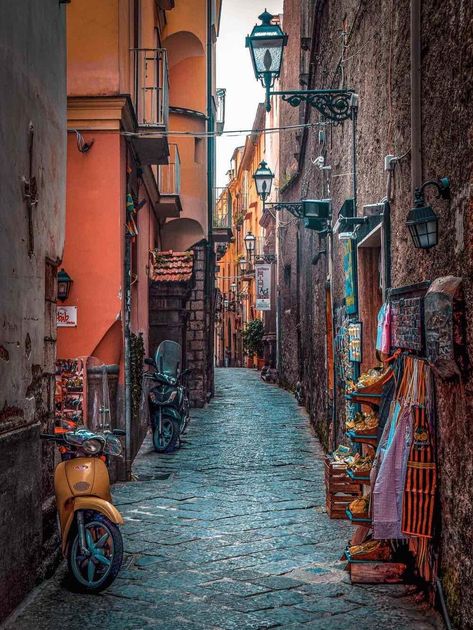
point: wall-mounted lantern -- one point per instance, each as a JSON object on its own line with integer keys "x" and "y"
{"x": 64, "y": 282}
{"x": 250, "y": 242}
{"x": 422, "y": 221}
{"x": 317, "y": 213}
{"x": 243, "y": 264}
{"x": 263, "y": 177}
{"x": 233, "y": 286}
{"x": 266, "y": 44}
{"x": 347, "y": 222}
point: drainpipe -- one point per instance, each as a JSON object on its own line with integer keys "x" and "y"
{"x": 127, "y": 313}
{"x": 210, "y": 275}
{"x": 416, "y": 111}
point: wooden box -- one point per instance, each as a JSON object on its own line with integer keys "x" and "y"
{"x": 377, "y": 572}
{"x": 340, "y": 490}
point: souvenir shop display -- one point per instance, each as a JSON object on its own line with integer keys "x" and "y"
{"x": 390, "y": 461}
{"x": 70, "y": 393}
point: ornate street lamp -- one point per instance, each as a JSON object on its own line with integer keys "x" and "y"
{"x": 266, "y": 44}
{"x": 422, "y": 221}
{"x": 250, "y": 241}
{"x": 243, "y": 264}
{"x": 263, "y": 177}
{"x": 64, "y": 282}
{"x": 233, "y": 286}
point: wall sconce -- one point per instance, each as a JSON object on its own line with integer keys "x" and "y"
{"x": 250, "y": 241}
{"x": 64, "y": 282}
{"x": 243, "y": 265}
{"x": 422, "y": 222}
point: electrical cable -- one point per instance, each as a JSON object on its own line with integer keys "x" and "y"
{"x": 204, "y": 134}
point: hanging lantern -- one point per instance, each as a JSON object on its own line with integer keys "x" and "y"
{"x": 422, "y": 223}
{"x": 64, "y": 282}
{"x": 266, "y": 44}
{"x": 250, "y": 241}
{"x": 263, "y": 177}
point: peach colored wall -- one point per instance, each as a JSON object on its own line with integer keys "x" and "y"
{"x": 188, "y": 16}
{"x": 94, "y": 243}
{"x": 92, "y": 47}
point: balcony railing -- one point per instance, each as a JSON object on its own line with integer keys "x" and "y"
{"x": 223, "y": 209}
{"x": 170, "y": 174}
{"x": 151, "y": 86}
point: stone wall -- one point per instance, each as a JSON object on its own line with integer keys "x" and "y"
{"x": 199, "y": 333}
{"x": 33, "y": 123}
{"x": 374, "y": 60}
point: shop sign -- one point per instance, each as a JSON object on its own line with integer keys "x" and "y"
{"x": 349, "y": 268}
{"x": 66, "y": 316}
{"x": 263, "y": 287}
{"x": 354, "y": 342}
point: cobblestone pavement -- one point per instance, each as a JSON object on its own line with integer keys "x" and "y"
{"x": 230, "y": 532}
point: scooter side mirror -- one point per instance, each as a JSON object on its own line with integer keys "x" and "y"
{"x": 150, "y": 362}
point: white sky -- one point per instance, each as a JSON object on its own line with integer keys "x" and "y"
{"x": 235, "y": 73}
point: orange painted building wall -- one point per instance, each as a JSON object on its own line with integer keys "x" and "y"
{"x": 94, "y": 245}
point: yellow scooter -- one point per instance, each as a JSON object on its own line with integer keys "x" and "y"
{"x": 91, "y": 539}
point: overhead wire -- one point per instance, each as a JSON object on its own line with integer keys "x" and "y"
{"x": 205, "y": 134}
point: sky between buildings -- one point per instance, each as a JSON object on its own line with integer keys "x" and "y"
{"x": 235, "y": 73}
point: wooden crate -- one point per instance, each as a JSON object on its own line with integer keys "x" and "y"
{"x": 336, "y": 504}
{"x": 340, "y": 490}
{"x": 377, "y": 572}
{"x": 336, "y": 479}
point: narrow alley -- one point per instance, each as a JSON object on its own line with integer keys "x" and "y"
{"x": 230, "y": 532}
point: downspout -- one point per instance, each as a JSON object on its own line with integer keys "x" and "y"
{"x": 416, "y": 111}
{"x": 210, "y": 275}
{"x": 127, "y": 311}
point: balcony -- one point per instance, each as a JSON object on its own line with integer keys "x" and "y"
{"x": 222, "y": 219}
{"x": 169, "y": 184}
{"x": 151, "y": 103}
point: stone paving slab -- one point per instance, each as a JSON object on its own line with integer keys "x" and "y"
{"x": 230, "y": 532}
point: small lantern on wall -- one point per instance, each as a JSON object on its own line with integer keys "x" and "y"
{"x": 422, "y": 222}
{"x": 243, "y": 264}
{"x": 64, "y": 282}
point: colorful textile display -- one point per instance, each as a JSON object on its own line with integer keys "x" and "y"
{"x": 383, "y": 335}
{"x": 404, "y": 473}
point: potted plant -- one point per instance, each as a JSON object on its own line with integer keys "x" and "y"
{"x": 252, "y": 336}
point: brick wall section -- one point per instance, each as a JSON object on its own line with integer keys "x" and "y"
{"x": 198, "y": 335}
{"x": 378, "y": 67}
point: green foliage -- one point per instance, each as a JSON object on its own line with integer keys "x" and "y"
{"x": 252, "y": 336}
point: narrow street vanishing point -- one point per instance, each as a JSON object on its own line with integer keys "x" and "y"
{"x": 230, "y": 532}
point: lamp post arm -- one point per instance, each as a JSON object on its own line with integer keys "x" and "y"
{"x": 442, "y": 186}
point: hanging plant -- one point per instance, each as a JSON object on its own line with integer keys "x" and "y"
{"x": 252, "y": 336}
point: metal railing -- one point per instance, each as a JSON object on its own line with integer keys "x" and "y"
{"x": 169, "y": 177}
{"x": 223, "y": 208}
{"x": 151, "y": 86}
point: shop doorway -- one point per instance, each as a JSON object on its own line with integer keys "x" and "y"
{"x": 370, "y": 292}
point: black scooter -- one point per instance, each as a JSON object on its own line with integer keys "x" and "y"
{"x": 168, "y": 398}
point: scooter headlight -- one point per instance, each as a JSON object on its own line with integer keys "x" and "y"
{"x": 113, "y": 446}
{"x": 92, "y": 447}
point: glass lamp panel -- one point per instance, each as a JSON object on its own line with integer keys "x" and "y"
{"x": 267, "y": 53}
{"x": 62, "y": 288}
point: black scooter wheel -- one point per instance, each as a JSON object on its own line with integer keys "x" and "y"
{"x": 167, "y": 442}
{"x": 95, "y": 571}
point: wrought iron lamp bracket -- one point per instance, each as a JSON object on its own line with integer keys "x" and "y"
{"x": 295, "y": 208}
{"x": 335, "y": 105}
{"x": 443, "y": 190}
